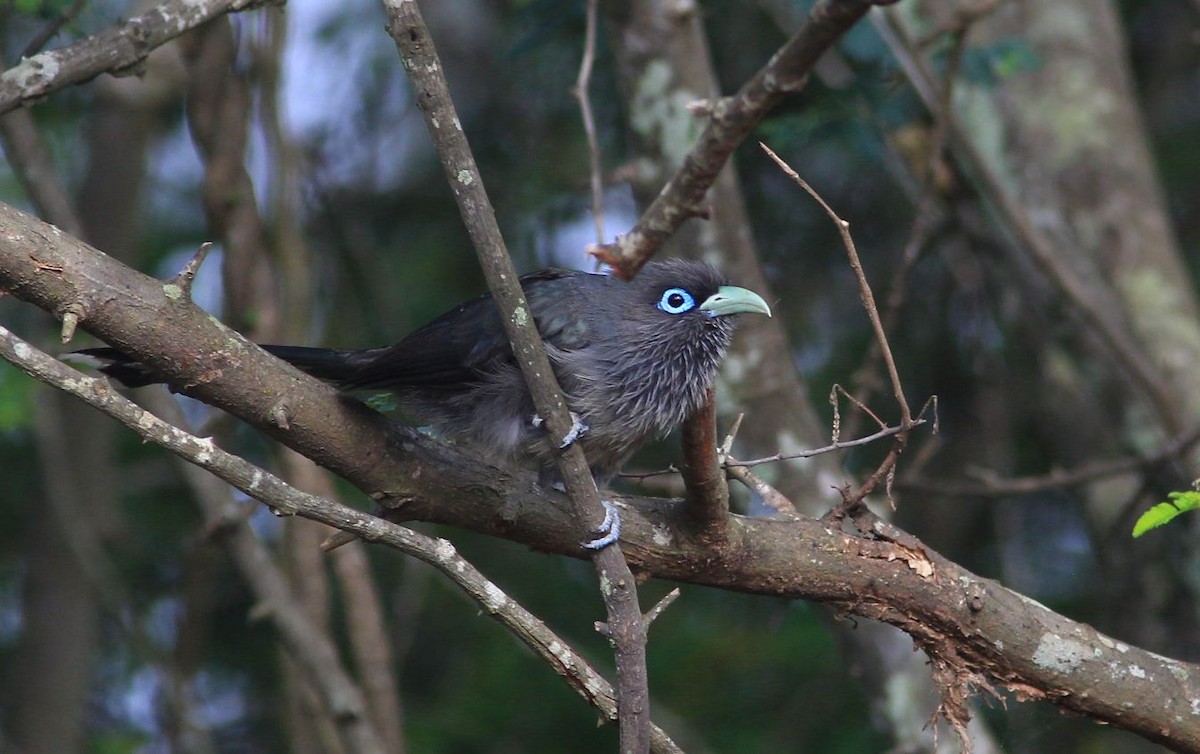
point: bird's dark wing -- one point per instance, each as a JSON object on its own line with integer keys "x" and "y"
{"x": 453, "y": 350}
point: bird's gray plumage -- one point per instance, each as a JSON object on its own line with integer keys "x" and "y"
{"x": 634, "y": 360}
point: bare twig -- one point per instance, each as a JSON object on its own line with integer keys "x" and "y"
{"x": 866, "y": 378}
{"x": 187, "y": 275}
{"x": 628, "y": 631}
{"x": 662, "y": 605}
{"x": 582, "y": 84}
{"x": 887, "y": 469}
{"x": 836, "y": 445}
{"x": 730, "y": 436}
{"x": 864, "y": 287}
{"x": 670, "y": 469}
{"x": 728, "y": 463}
{"x": 836, "y": 393}
{"x": 756, "y": 484}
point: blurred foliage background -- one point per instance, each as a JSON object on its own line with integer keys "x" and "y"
{"x": 102, "y": 550}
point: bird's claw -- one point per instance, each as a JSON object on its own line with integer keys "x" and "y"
{"x": 609, "y": 530}
{"x": 578, "y": 427}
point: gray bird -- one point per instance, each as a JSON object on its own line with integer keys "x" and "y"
{"x": 634, "y": 359}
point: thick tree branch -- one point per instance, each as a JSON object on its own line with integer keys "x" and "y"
{"x": 625, "y": 626}
{"x": 989, "y": 629}
{"x": 117, "y": 50}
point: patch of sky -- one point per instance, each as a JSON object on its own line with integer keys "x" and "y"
{"x": 563, "y": 233}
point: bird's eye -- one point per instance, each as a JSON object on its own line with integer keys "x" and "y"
{"x": 676, "y": 301}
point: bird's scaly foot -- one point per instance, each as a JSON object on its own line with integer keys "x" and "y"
{"x": 609, "y": 530}
{"x": 578, "y": 427}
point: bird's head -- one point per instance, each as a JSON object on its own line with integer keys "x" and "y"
{"x": 678, "y": 291}
{"x": 674, "y": 323}
{"x": 677, "y": 317}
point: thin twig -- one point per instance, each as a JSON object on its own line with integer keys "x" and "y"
{"x": 730, "y": 436}
{"x": 759, "y": 486}
{"x": 838, "y": 390}
{"x": 662, "y": 605}
{"x": 187, "y": 275}
{"x": 50, "y": 29}
{"x": 991, "y": 485}
{"x": 866, "y": 377}
{"x": 838, "y": 445}
{"x": 671, "y": 469}
{"x": 581, "y": 92}
{"x": 864, "y": 287}
{"x": 886, "y": 470}
{"x": 728, "y": 463}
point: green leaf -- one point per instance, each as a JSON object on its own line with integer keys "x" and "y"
{"x": 1181, "y": 502}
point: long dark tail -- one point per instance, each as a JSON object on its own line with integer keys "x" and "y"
{"x": 335, "y": 365}
{"x": 330, "y": 364}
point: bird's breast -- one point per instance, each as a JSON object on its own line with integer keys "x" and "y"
{"x": 649, "y": 384}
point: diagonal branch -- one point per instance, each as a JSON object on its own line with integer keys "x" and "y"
{"x": 625, "y": 625}
{"x": 731, "y": 120}
{"x": 887, "y": 468}
{"x": 864, "y": 288}
{"x": 117, "y": 50}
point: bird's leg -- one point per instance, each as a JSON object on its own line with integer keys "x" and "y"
{"x": 578, "y": 427}
{"x": 609, "y": 530}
